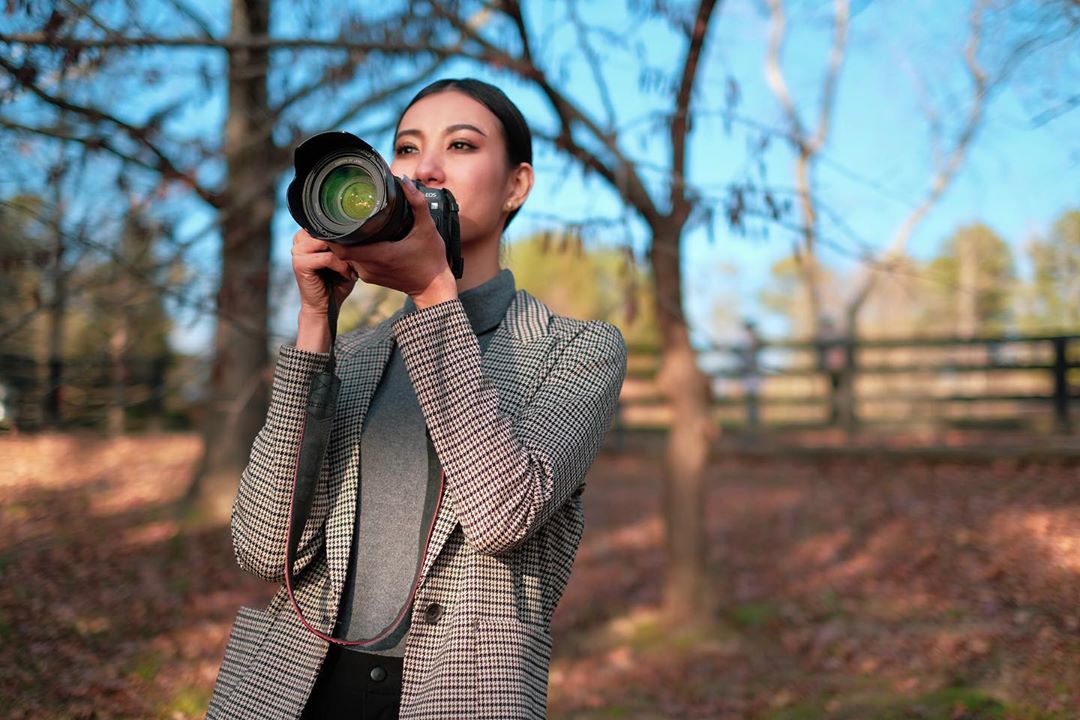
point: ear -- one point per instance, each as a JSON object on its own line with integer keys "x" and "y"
{"x": 518, "y": 186}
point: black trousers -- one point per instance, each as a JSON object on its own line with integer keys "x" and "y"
{"x": 355, "y": 685}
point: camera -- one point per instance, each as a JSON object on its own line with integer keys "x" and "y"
{"x": 343, "y": 192}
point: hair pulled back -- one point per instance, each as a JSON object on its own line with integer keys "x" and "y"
{"x": 515, "y": 129}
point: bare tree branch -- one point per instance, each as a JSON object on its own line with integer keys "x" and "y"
{"x": 836, "y": 60}
{"x": 1051, "y": 114}
{"x": 680, "y": 123}
{"x": 255, "y": 42}
{"x": 91, "y": 143}
{"x": 189, "y": 12}
{"x": 774, "y": 74}
{"x": 807, "y": 147}
{"x": 593, "y": 61}
{"x": 164, "y": 164}
{"x": 944, "y": 175}
{"x": 621, "y": 173}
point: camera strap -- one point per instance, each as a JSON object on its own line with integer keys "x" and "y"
{"x": 314, "y": 439}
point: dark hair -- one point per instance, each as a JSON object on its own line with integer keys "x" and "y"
{"x": 515, "y": 129}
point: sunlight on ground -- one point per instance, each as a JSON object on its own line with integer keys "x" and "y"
{"x": 1056, "y": 533}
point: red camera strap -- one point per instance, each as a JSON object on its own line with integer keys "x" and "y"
{"x": 314, "y": 438}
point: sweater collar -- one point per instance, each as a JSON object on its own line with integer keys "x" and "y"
{"x": 486, "y": 304}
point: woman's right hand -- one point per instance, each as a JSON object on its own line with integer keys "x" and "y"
{"x": 312, "y": 261}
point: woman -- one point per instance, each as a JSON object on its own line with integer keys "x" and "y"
{"x": 448, "y": 512}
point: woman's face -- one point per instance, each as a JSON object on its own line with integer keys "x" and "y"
{"x": 448, "y": 140}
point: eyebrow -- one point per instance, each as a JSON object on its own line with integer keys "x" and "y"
{"x": 451, "y": 129}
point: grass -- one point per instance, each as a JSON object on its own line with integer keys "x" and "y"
{"x": 753, "y": 615}
{"x": 146, "y": 666}
{"x": 186, "y": 702}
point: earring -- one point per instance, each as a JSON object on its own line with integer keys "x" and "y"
{"x": 509, "y": 206}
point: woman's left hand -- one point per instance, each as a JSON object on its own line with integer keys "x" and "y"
{"x": 415, "y": 265}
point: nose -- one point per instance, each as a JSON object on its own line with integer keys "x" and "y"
{"x": 429, "y": 169}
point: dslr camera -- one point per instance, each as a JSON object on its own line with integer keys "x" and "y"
{"x": 344, "y": 193}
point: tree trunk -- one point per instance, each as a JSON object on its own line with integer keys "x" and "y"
{"x": 688, "y": 594}
{"x": 53, "y": 400}
{"x": 238, "y": 387}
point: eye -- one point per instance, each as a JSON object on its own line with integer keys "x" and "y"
{"x": 462, "y": 145}
{"x": 405, "y": 149}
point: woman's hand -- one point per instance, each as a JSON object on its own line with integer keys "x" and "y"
{"x": 313, "y": 264}
{"x": 416, "y": 265}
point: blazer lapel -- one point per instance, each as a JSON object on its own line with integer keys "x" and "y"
{"x": 515, "y": 357}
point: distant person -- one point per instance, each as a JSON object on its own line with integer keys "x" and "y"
{"x": 832, "y": 362}
{"x": 465, "y": 427}
{"x": 750, "y": 371}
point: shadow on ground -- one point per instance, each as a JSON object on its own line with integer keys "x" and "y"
{"x": 849, "y": 588}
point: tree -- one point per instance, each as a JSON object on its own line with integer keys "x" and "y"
{"x": 271, "y": 82}
{"x": 596, "y": 283}
{"x": 121, "y": 315}
{"x": 806, "y": 144}
{"x": 23, "y": 252}
{"x": 1054, "y": 294}
{"x": 24, "y": 255}
{"x": 786, "y": 293}
{"x": 1001, "y": 40}
{"x": 589, "y": 132}
{"x": 975, "y": 281}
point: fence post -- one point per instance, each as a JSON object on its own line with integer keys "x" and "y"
{"x": 53, "y": 400}
{"x": 848, "y": 415}
{"x": 748, "y": 357}
{"x": 156, "y": 404}
{"x": 1061, "y": 385}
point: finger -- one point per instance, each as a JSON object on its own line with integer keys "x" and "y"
{"x": 308, "y": 263}
{"x": 416, "y": 198}
{"x": 301, "y": 236}
{"x": 308, "y": 244}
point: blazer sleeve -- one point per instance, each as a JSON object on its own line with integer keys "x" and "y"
{"x": 506, "y": 479}
{"x": 260, "y": 515}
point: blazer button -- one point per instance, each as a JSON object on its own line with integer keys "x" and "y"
{"x": 378, "y": 673}
{"x": 433, "y": 612}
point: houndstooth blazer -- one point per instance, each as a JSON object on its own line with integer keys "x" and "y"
{"x": 515, "y": 430}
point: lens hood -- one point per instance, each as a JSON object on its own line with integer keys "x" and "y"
{"x": 314, "y": 159}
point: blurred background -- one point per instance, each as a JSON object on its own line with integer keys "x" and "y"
{"x": 841, "y": 238}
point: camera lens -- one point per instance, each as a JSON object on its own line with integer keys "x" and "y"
{"x": 348, "y": 194}
{"x": 344, "y": 192}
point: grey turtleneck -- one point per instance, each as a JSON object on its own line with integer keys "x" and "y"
{"x": 399, "y": 484}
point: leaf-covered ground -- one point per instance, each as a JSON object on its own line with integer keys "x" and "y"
{"x": 848, "y": 588}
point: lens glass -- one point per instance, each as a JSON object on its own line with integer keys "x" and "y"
{"x": 348, "y": 194}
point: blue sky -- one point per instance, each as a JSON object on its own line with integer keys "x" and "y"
{"x": 1017, "y": 177}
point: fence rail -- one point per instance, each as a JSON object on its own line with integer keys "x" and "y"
{"x": 83, "y": 392}
{"x": 1027, "y": 382}
{"x": 1023, "y": 382}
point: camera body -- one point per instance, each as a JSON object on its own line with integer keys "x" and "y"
{"x": 444, "y": 213}
{"x": 343, "y": 192}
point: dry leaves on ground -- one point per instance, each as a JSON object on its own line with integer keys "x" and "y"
{"x": 848, "y": 588}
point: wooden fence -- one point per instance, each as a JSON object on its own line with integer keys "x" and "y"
{"x": 1026, "y": 383}
{"x": 1011, "y": 382}
{"x": 82, "y": 392}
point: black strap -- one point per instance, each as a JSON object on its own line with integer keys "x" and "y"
{"x": 322, "y": 405}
